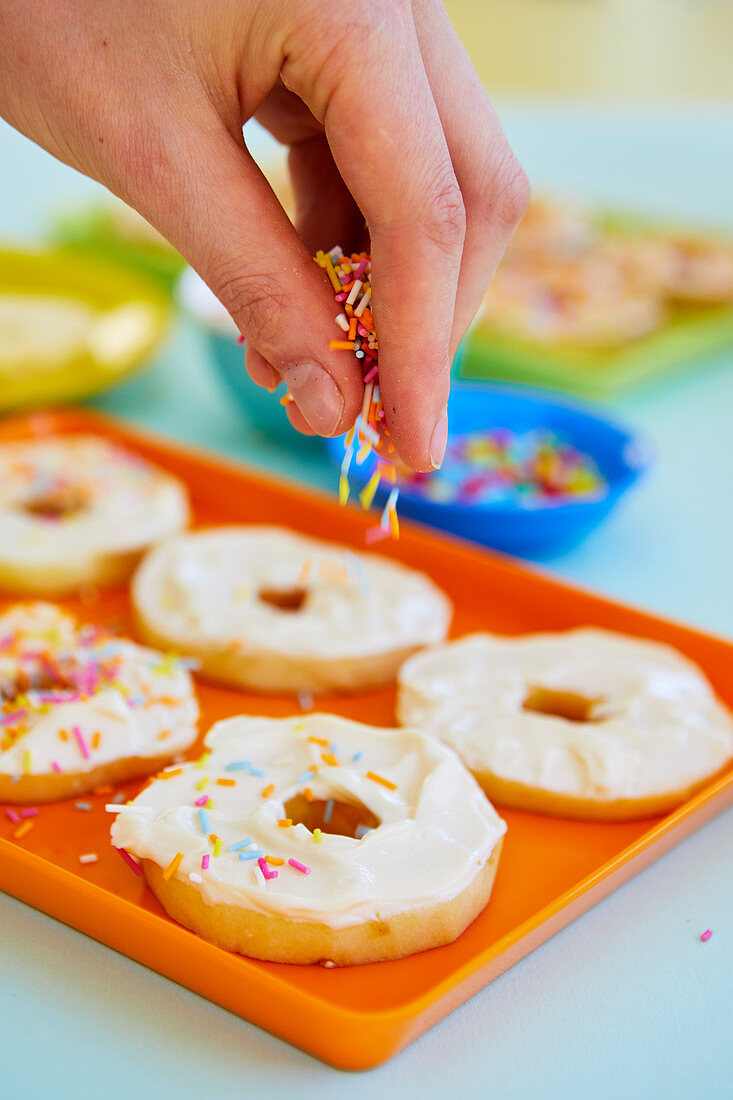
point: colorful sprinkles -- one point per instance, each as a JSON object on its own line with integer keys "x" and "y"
{"x": 532, "y": 469}
{"x": 50, "y": 668}
{"x": 246, "y": 849}
{"x": 350, "y": 277}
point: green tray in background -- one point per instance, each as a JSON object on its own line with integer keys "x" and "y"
{"x": 91, "y": 230}
{"x": 688, "y": 335}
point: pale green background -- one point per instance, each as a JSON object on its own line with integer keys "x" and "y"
{"x": 626, "y": 1002}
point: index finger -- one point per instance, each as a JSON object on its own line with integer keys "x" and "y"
{"x": 394, "y": 158}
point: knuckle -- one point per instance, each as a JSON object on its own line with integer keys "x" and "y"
{"x": 445, "y": 218}
{"x": 510, "y": 195}
{"x": 256, "y": 301}
{"x": 323, "y": 50}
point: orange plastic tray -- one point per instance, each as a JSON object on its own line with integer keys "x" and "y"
{"x": 550, "y": 872}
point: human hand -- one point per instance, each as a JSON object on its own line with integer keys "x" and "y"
{"x": 387, "y": 125}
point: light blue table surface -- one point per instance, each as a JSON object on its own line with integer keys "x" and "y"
{"x": 626, "y": 1002}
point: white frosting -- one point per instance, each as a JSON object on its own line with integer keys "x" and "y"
{"x": 139, "y": 702}
{"x": 201, "y": 588}
{"x": 657, "y": 726}
{"x": 437, "y": 828}
{"x": 129, "y": 503}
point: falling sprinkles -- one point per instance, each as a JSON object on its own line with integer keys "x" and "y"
{"x": 350, "y": 277}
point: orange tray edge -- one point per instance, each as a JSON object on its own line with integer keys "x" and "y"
{"x": 297, "y": 1007}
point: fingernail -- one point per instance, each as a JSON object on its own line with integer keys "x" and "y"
{"x": 439, "y": 441}
{"x": 316, "y": 395}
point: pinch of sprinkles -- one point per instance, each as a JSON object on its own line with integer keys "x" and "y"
{"x": 129, "y": 861}
{"x": 350, "y": 277}
{"x": 380, "y": 779}
{"x": 173, "y": 866}
{"x": 706, "y": 935}
{"x": 299, "y": 866}
{"x": 89, "y": 857}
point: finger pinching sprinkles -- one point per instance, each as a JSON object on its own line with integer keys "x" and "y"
{"x": 80, "y": 709}
{"x": 350, "y": 277}
{"x": 367, "y": 843}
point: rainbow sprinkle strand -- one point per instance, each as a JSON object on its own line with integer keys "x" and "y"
{"x": 350, "y": 277}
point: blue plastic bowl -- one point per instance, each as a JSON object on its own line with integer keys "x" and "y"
{"x": 530, "y": 532}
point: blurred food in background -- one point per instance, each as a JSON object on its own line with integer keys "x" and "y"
{"x": 594, "y": 300}
{"x": 531, "y": 469}
{"x": 71, "y": 325}
{"x": 115, "y": 232}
